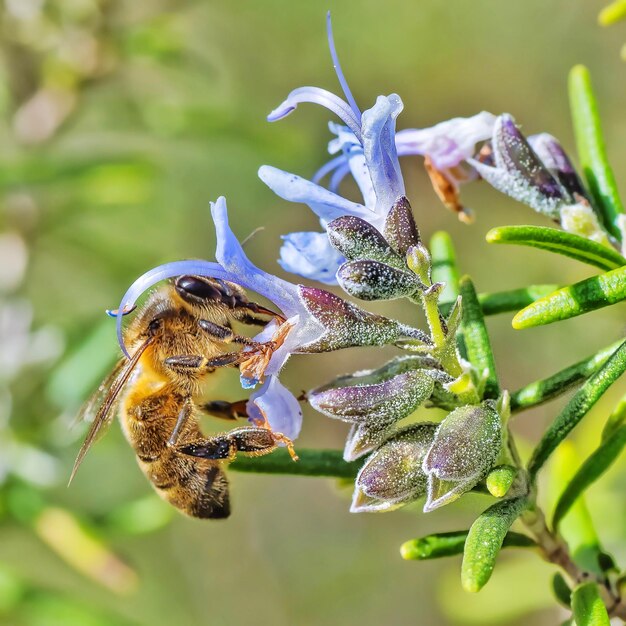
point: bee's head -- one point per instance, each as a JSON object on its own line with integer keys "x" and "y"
{"x": 201, "y": 290}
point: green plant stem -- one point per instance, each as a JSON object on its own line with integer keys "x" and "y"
{"x": 555, "y": 550}
{"x": 438, "y": 335}
{"x": 328, "y": 463}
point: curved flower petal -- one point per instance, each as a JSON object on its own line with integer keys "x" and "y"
{"x": 233, "y": 266}
{"x": 316, "y": 95}
{"x": 156, "y": 275}
{"x": 325, "y": 204}
{"x": 353, "y": 161}
{"x": 276, "y": 404}
{"x": 379, "y": 149}
{"x": 447, "y": 143}
{"x": 340, "y": 77}
{"x": 310, "y": 255}
{"x": 230, "y": 255}
{"x": 329, "y": 167}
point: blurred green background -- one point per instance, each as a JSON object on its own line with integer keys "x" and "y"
{"x": 119, "y": 122}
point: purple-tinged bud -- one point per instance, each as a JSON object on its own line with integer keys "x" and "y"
{"x": 371, "y": 280}
{"x": 347, "y": 325}
{"x": 555, "y": 159}
{"x": 363, "y": 438}
{"x": 357, "y": 239}
{"x": 400, "y": 228}
{"x": 517, "y": 156}
{"x": 465, "y": 448}
{"x": 382, "y": 396}
{"x": 518, "y": 171}
{"x": 393, "y": 475}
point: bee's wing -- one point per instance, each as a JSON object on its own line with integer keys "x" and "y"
{"x": 89, "y": 409}
{"x": 103, "y": 401}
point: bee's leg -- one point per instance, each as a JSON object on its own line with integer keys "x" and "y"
{"x": 251, "y": 314}
{"x": 187, "y": 362}
{"x": 216, "y": 448}
{"x": 249, "y": 440}
{"x": 183, "y": 415}
{"x": 225, "y": 410}
{"x": 225, "y": 334}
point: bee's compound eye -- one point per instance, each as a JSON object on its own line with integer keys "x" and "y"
{"x": 191, "y": 287}
{"x": 154, "y": 325}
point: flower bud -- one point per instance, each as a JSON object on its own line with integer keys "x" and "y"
{"x": 582, "y": 220}
{"x": 555, "y": 159}
{"x": 465, "y": 448}
{"x": 418, "y": 261}
{"x": 393, "y": 475}
{"x": 500, "y": 479}
{"x": 363, "y": 438}
{"x": 375, "y": 397}
{"x": 400, "y": 229}
{"x": 371, "y": 280}
{"x": 346, "y": 325}
{"x": 357, "y": 239}
{"x": 518, "y": 171}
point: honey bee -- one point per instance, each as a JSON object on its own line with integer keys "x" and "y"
{"x": 182, "y": 334}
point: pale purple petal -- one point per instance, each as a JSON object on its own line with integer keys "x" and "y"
{"x": 339, "y": 174}
{"x": 278, "y": 405}
{"x": 342, "y": 80}
{"x": 379, "y": 147}
{"x": 316, "y": 95}
{"x": 448, "y": 143}
{"x": 328, "y": 167}
{"x": 233, "y": 259}
{"x": 353, "y": 161}
{"x": 325, "y": 204}
{"x": 156, "y": 275}
{"x": 310, "y": 255}
{"x": 233, "y": 266}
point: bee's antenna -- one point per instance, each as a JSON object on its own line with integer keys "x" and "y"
{"x": 255, "y": 232}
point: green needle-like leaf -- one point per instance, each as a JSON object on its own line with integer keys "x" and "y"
{"x": 311, "y": 463}
{"x": 546, "y": 389}
{"x": 450, "y": 544}
{"x": 616, "y": 419}
{"x": 558, "y": 241}
{"x": 593, "y": 467}
{"x": 591, "y": 149}
{"x": 587, "y": 295}
{"x": 612, "y": 13}
{"x": 578, "y": 407}
{"x": 484, "y": 541}
{"x": 477, "y": 339}
{"x": 443, "y": 263}
{"x": 561, "y": 590}
{"x": 588, "y": 607}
